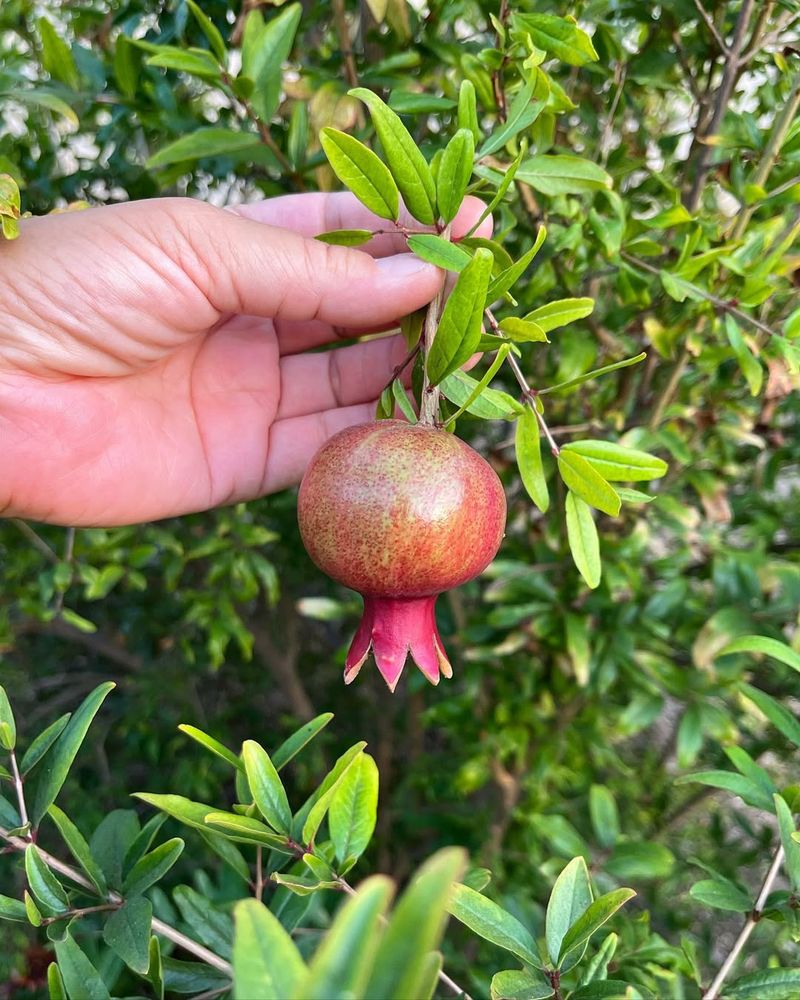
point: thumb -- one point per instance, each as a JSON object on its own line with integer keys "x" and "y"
{"x": 262, "y": 270}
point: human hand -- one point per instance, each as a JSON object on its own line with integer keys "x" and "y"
{"x": 157, "y": 357}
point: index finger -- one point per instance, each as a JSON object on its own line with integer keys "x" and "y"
{"x": 320, "y": 212}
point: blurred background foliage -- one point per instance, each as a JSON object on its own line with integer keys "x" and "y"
{"x": 572, "y": 712}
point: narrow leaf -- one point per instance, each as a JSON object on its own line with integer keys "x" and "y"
{"x": 616, "y": 463}
{"x": 55, "y": 768}
{"x": 583, "y": 540}
{"x": 353, "y": 808}
{"x": 528, "y": 450}
{"x": 556, "y": 314}
{"x": 768, "y": 647}
{"x": 78, "y": 847}
{"x": 504, "y": 281}
{"x": 406, "y": 163}
{"x": 594, "y": 917}
{"x": 81, "y": 979}
{"x": 439, "y": 251}
{"x": 583, "y": 479}
{"x": 460, "y": 326}
{"x": 127, "y": 933}
{"x": 359, "y": 169}
{"x": 213, "y": 745}
{"x": 580, "y": 379}
{"x": 266, "y": 962}
{"x": 295, "y": 743}
{"x": 40, "y": 744}
{"x": 152, "y": 867}
{"x": 46, "y": 888}
{"x": 493, "y": 924}
{"x": 266, "y": 786}
{"x": 455, "y": 171}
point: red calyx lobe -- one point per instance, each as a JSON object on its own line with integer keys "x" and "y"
{"x": 400, "y": 512}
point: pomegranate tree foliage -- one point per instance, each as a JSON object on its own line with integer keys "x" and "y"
{"x": 644, "y": 727}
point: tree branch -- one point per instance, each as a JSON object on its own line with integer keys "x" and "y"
{"x": 749, "y": 926}
{"x": 733, "y": 66}
{"x": 159, "y": 927}
{"x": 723, "y": 47}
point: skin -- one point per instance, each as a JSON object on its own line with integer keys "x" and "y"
{"x": 162, "y": 357}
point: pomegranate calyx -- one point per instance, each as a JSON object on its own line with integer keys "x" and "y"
{"x": 393, "y": 627}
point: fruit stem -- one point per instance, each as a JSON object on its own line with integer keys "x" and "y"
{"x": 429, "y": 403}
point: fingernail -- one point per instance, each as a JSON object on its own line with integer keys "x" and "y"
{"x": 403, "y": 265}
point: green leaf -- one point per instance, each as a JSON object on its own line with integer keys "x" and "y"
{"x": 302, "y": 886}
{"x": 559, "y": 36}
{"x": 266, "y": 962}
{"x": 346, "y": 237}
{"x": 529, "y": 459}
{"x": 193, "y": 977}
{"x": 197, "y": 63}
{"x": 616, "y": 463}
{"x": 604, "y": 815}
{"x": 342, "y": 964}
{"x": 8, "y": 728}
{"x": 504, "y": 184}
{"x": 402, "y": 400}
{"x": 246, "y": 830}
{"x": 583, "y": 539}
{"x": 406, "y": 163}
{"x": 554, "y": 174}
{"x": 765, "y": 984}
{"x": 490, "y": 373}
{"x": 747, "y": 790}
{"x": 429, "y": 980}
{"x": 12, "y": 909}
{"x": 208, "y": 925}
{"x": 111, "y": 842}
{"x": 585, "y": 481}
{"x": 640, "y": 860}
{"x": 580, "y": 379}
{"x": 748, "y": 362}
{"x": 127, "y": 933}
{"x": 57, "y": 57}
{"x": 606, "y": 989}
{"x": 460, "y": 326}
{"x": 155, "y": 969}
{"x": 265, "y": 48}
{"x": 408, "y": 102}
{"x": 790, "y": 846}
{"x": 415, "y": 929}
{"x": 152, "y": 867}
{"x": 32, "y": 910}
{"x": 331, "y": 778}
{"x": 523, "y": 331}
{"x": 42, "y": 743}
{"x": 455, "y": 171}
{"x": 81, "y": 979}
{"x": 46, "y": 888}
{"x": 267, "y": 788}
{"x": 201, "y": 143}
{"x": 127, "y": 64}
{"x": 142, "y": 842}
{"x": 523, "y": 113}
{"x": 55, "y": 768}
{"x": 78, "y": 848}
{"x": 491, "y": 404}
{"x": 468, "y": 109}
{"x": 439, "y": 251}
{"x": 210, "y": 30}
{"x": 362, "y": 172}
{"x": 292, "y": 746}
{"x": 722, "y": 895}
{"x": 569, "y": 900}
{"x": 561, "y": 312}
{"x": 601, "y": 910}
{"x": 353, "y": 809}
{"x": 56, "y": 990}
{"x": 213, "y": 745}
{"x": 493, "y": 924}
{"x": 777, "y": 714}
{"x": 506, "y": 279}
{"x": 761, "y": 644}
{"x": 318, "y": 811}
{"x": 521, "y": 984}
{"x": 633, "y": 496}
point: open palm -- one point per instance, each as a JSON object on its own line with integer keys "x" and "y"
{"x": 159, "y": 357}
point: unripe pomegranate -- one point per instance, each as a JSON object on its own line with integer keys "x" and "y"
{"x": 400, "y": 512}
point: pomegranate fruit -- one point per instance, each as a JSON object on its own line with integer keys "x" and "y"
{"x": 400, "y": 512}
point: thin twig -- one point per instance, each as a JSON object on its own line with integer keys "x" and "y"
{"x": 159, "y": 927}
{"x": 723, "y": 46}
{"x": 23, "y": 811}
{"x": 749, "y": 926}
{"x": 429, "y": 403}
{"x": 35, "y": 539}
{"x": 83, "y": 912}
{"x": 69, "y": 546}
{"x": 664, "y": 398}
{"x": 528, "y": 393}
{"x": 723, "y": 305}
{"x": 259, "y": 884}
{"x": 733, "y": 66}
{"x": 345, "y": 46}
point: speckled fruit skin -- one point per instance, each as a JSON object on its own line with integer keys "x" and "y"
{"x": 400, "y": 512}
